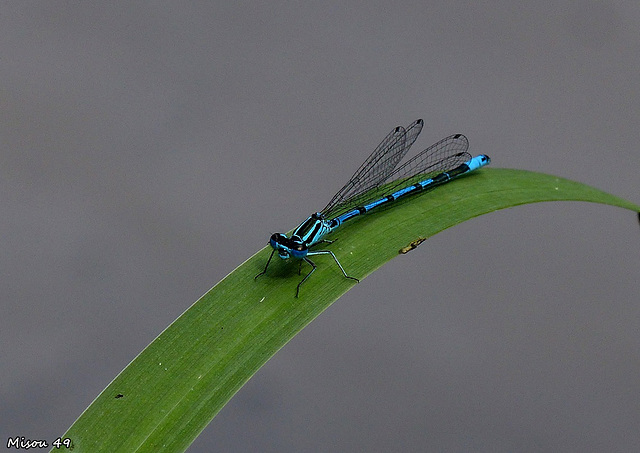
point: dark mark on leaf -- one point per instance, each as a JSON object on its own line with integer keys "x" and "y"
{"x": 412, "y": 245}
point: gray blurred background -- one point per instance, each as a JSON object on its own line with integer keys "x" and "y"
{"x": 149, "y": 149}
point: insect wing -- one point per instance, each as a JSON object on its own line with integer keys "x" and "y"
{"x": 444, "y": 155}
{"x": 376, "y": 169}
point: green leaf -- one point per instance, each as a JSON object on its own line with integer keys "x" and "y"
{"x": 174, "y": 388}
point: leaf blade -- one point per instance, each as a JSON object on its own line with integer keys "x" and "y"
{"x": 173, "y": 389}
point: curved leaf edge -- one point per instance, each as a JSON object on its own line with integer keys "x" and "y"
{"x": 164, "y": 398}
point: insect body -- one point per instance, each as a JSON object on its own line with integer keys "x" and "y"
{"x": 378, "y": 182}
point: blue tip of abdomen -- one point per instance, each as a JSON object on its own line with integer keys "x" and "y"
{"x": 478, "y": 161}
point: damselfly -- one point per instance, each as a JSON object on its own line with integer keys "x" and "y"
{"x": 376, "y": 183}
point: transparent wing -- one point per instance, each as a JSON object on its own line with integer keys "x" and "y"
{"x": 377, "y": 168}
{"x": 444, "y": 155}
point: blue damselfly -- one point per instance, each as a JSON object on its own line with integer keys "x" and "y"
{"x": 378, "y": 182}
